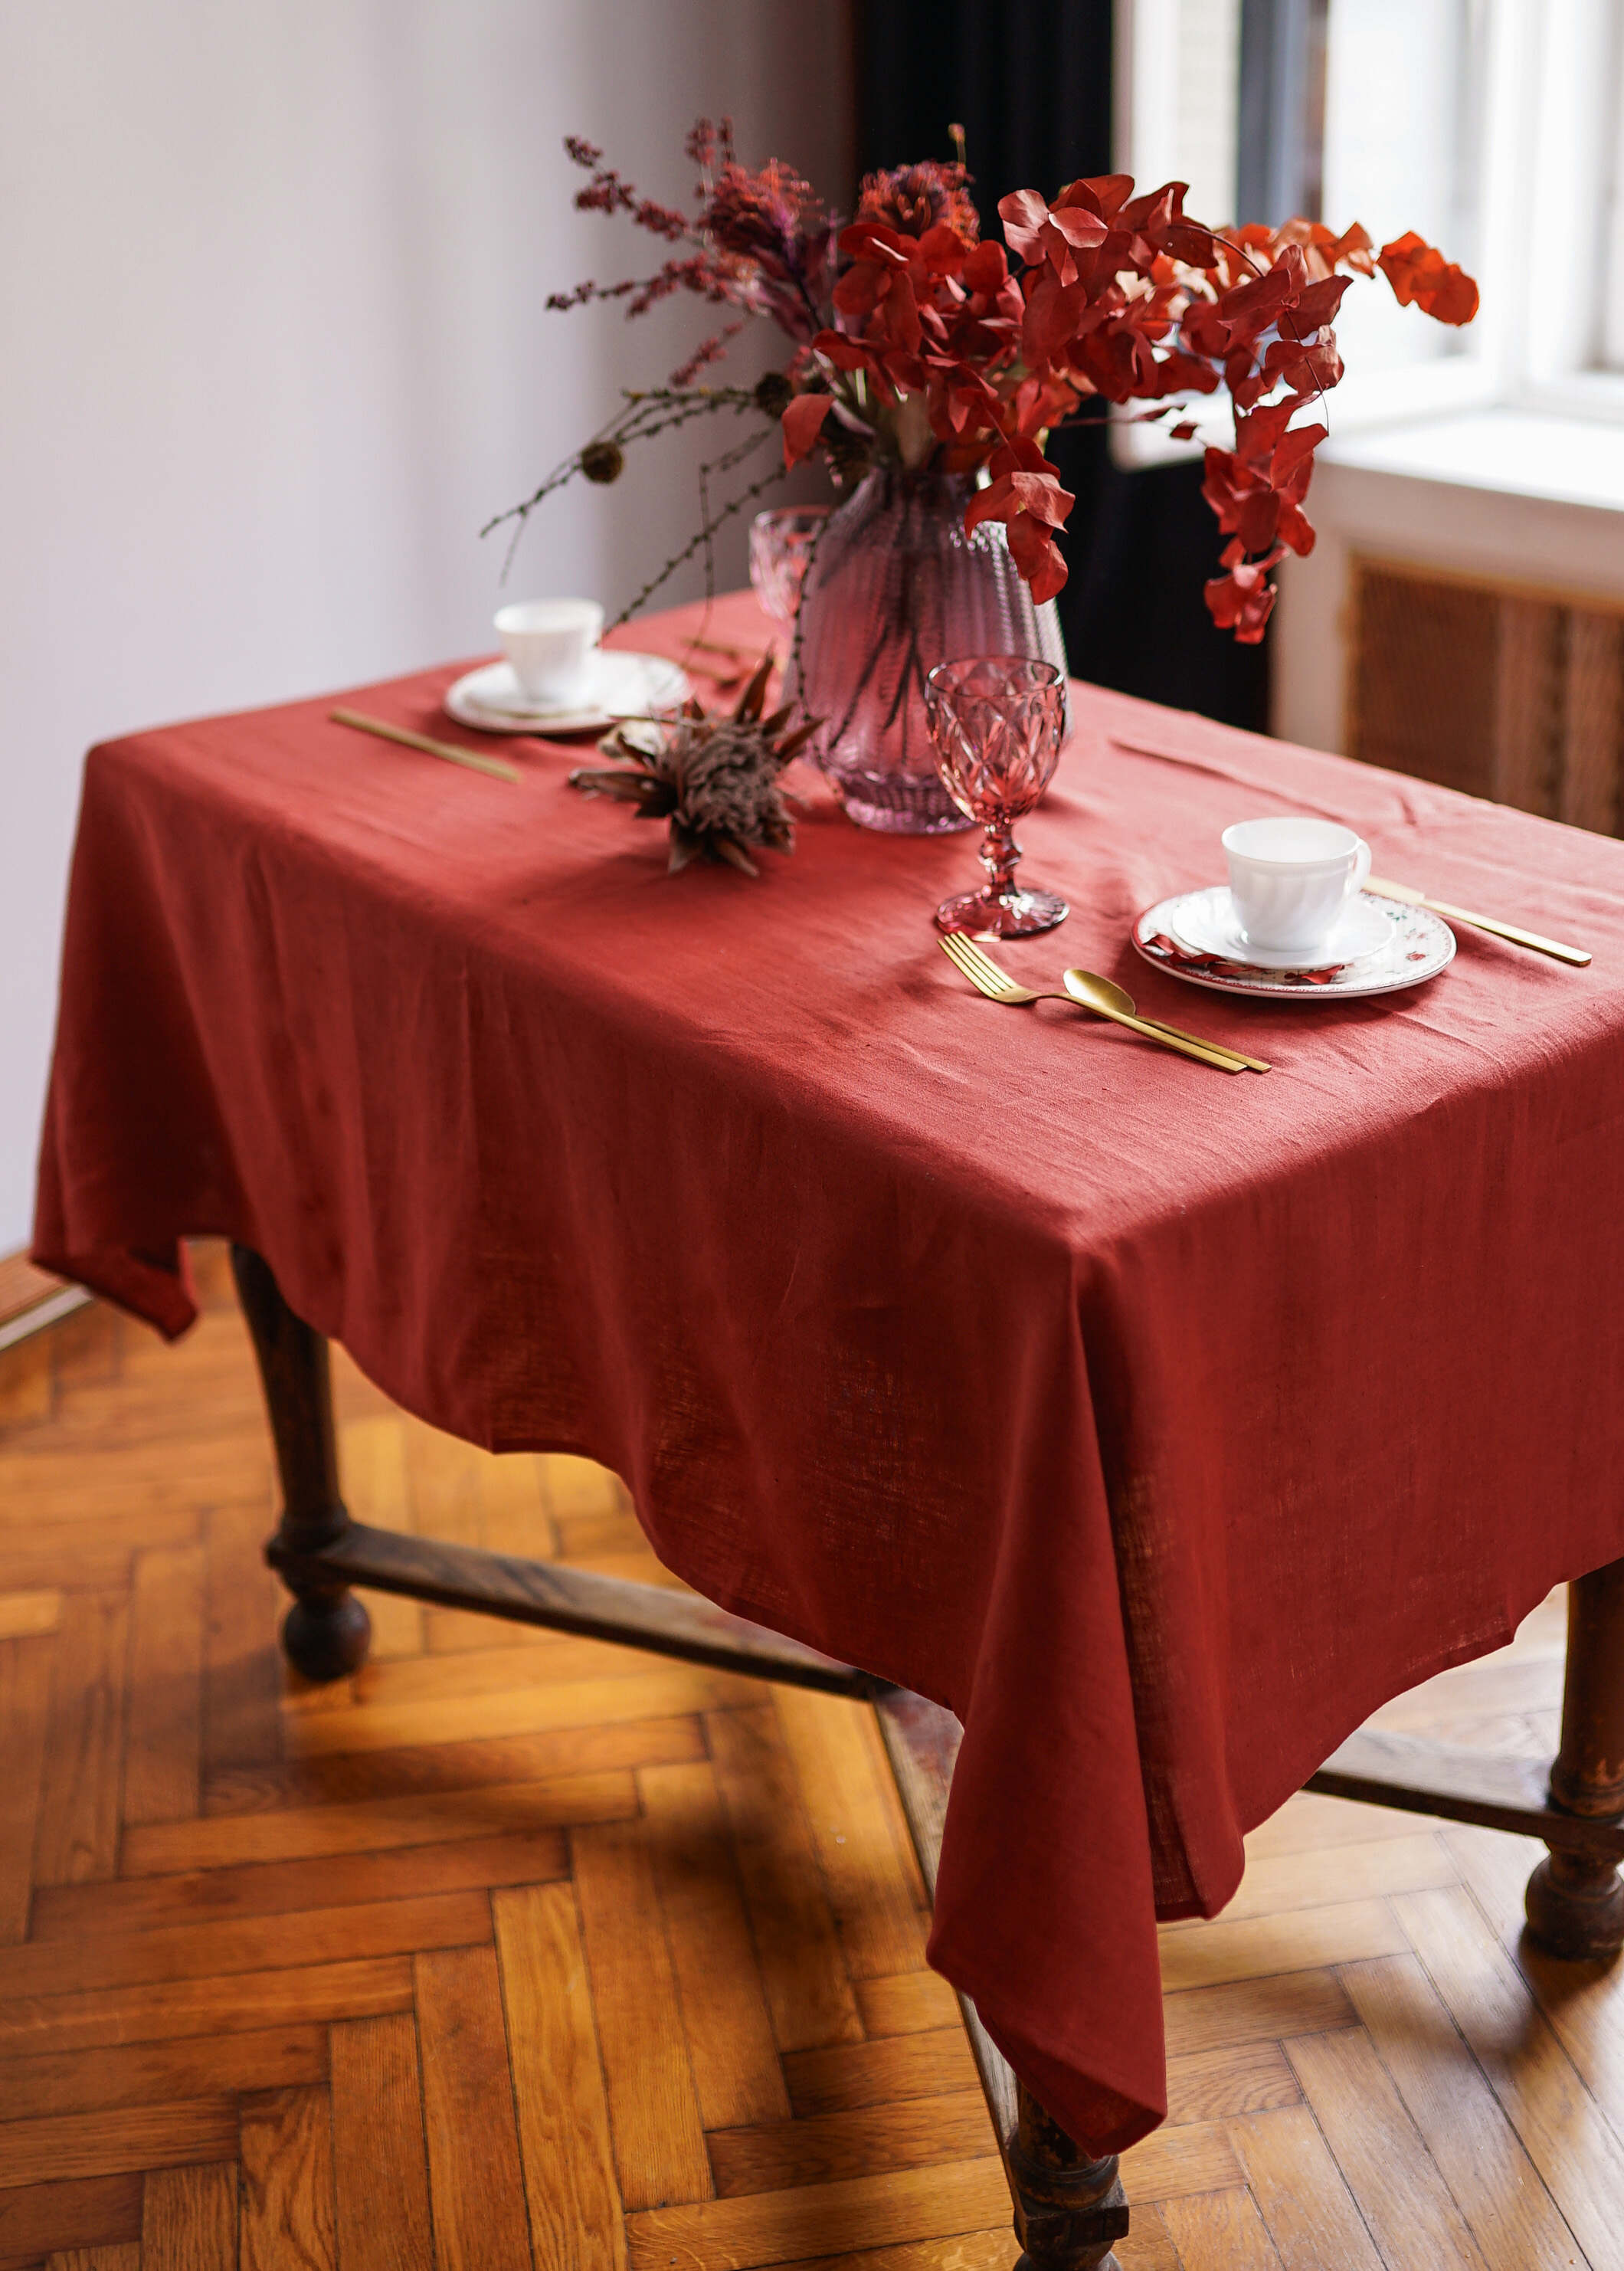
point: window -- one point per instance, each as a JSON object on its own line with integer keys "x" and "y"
{"x": 1494, "y": 127}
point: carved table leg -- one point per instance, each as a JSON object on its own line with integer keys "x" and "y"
{"x": 1576, "y": 1905}
{"x": 326, "y": 1630}
{"x": 1068, "y": 2208}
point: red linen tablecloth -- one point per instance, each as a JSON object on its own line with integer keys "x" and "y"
{"x": 1162, "y": 1423}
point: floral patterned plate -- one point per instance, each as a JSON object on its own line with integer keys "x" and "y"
{"x": 1418, "y": 947}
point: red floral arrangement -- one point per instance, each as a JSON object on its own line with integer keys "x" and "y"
{"x": 916, "y": 341}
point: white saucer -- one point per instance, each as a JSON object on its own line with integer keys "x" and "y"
{"x": 1209, "y": 923}
{"x": 1417, "y": 946}
{"x": 626, "y": 685}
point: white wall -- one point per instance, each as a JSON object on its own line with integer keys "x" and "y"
{"x": 272, "y": 347}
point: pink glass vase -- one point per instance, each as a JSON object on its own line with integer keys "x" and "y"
{"x": 895, "y": 586}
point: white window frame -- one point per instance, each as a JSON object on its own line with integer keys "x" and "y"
{"x": 1545, "y": 257}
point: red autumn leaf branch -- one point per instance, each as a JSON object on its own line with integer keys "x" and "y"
{"x": 1120, "y": 299}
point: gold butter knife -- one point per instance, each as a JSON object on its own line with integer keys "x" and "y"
{"x": 1411, "y": 898}
{"x": 447, "y": 749}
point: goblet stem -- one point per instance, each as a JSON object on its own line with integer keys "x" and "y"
{"x": 1001, "y": 856}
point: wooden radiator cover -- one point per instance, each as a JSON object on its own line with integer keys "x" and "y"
{"x": 1501, "y": 690}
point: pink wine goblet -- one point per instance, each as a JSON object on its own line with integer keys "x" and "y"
{"x": 997, "y": 722}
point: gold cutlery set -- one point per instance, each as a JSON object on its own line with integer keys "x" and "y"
{"x": 1085, "y": 991}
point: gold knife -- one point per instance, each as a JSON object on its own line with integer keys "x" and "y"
{"x": 1411, "y": 898}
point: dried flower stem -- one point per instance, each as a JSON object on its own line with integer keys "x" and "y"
{"x": 701, "y": 538}
{"x": 649, "y": 411}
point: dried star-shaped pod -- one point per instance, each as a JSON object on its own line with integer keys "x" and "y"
{"x": 714, "y": 779}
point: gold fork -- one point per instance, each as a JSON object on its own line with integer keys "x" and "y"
{"x": 985, "y": 975}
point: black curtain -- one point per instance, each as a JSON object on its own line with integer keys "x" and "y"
{"x": 1030, "y": 82}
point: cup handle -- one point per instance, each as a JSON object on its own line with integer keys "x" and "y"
{"x": 1361, "y": 869}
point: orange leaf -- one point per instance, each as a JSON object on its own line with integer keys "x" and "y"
{"x": 1417, "y": 271}
{"x": 803, "y": 422}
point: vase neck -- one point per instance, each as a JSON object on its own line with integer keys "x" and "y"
{"x": 926, "y": 485}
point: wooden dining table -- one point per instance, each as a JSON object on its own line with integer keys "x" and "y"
{"x": 1126, "y": 1432}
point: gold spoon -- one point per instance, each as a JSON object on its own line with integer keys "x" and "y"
{"x": 1111, "y": 1000}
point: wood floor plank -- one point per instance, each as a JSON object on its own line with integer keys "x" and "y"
{"x": 1220, "y": 2231}
{"x": 162, "y": 2072}
{"x": 286, "y": 2220}
{"x": 1399, "y": 2188}
{"x": 771, "y": 2157}
{"x": 870, "y": 1889}
{"x": 28, "y": 1385}
{"x": 287, "y": 1888}
{"x": 83, "y": 2212}
{"x": 1308, "y": 1823}
{"x": 372, "y": 1459}
{"x": 377, "y": 1824}
{"x": 105, "y": 1484}
{"x": 580, "y": 1490}
{"x": 515, "y": 1516}
{"x": 1567, "y": 2135}
{"x": 1302, "y": 2194}
{"x": 25, "y": 1615}
{"x": 967, "y": 2250}
{"x": 731, "y": 2049}
{"x": 77, "y": 1837}
{"x": 518, "y": 1657}
{"x": 1149, "y": 2244}
{"x": 658, "y": 2137}
{"x": 1513, "y": 2218}
{"x": 241, "y": 1674}
{"x": 909, "y": 2003}
{"x": 563, "y": 2116}
{"x": 670, "y": 1691}
{"x": 808, "y": 1989}
{"x": 1494, "y": 1682}
{"x": 1169, "y": 2163}
{"x": 351, "y": 1777}
{"x": 88, "y": 1346}
{"x": 380, "y": 2159}
{"x": 1276, "y": 1884}
{"x": 108, "y": 2143}
{"x": 198, "y": 1951}
{"x": 1254, "y": 2010}
{"x": 163, "y": 1749}
{"x": 170, "y": 2009}
{"x": 820, "y": 2220}
{"x": 445, "y": 1474}
{"x": 1247, "y": 2078}
{"x": 126, "y": 2257}
{"x": 475, "y": 2180}
{"x": 80, "y": 1557}
{"x": 1259, "y": 1948}
{"x": 188, "y": 2219}
{"x": 24, "y": 1715}
{"x": 878, "y": 2072}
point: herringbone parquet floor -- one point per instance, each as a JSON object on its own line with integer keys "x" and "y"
{"x": 521, "y": 1950}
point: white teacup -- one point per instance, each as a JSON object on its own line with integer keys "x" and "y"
{"x": 551, "y": 645}
{"x": 1291, "y": 878}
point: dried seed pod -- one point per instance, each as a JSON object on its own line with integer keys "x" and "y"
{"x": 716, "y": 779}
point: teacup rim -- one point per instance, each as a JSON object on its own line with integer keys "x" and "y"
{"x": 1298, "y": 865}
{"x": 504, "y": 624}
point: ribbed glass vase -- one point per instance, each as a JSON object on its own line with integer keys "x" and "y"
{"x": 894, "y": 588}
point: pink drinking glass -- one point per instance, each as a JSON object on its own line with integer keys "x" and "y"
{"x": 996, "y": 721}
